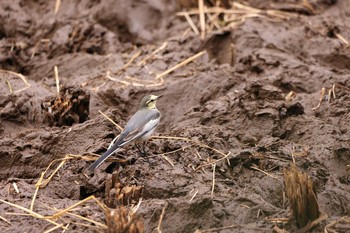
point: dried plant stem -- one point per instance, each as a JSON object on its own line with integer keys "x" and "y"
{"x": 163, "y": 46}
{"x": 64, "y": 230}
{"x": 167, "y": 159}
{"x": 136, "y": 82}
{"x": 37, "y": 187}
{"x": 60, "y": 213}
{"x": 57, "y": 80}
{"x": 113, "y": 122}
{"x": 5, "y": 220}
{"x": 37, "y": 45}
{"x": 45, "y": 182}
{"x": 201, "y": 18}
{"x": 9, "y": 85}
{"x": 15, "y": 187}
{"x": 185, "y": 62}
{"x": 323, "y": 92}
{"x": 195, "y": 194}
{"x": 214, "y": 162}
{"x": 213, "y": 184}
{"x": 190, "y": 22}
{"x": 32, "y": 213}
{"x": 310, "y": 225}
{"x": 54, "y": 228}
{"x": 24, "y": 80}
{"x": 136, "y": 55}
{"x": 193, "y": 141}
{"x": 334, "y": 223}
{"x": 218, "y": 229}
{"x": 161, "y": 219}
{"x": 266, "y": 173}
{"x": 88, "y": 220}
{"x": 57, "y": 5}
{"x": 342, "y": 39}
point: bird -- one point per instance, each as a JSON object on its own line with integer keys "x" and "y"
{"x": 139, "y": 128}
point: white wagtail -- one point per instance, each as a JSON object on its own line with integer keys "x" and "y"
{"x": 138, "y": 129}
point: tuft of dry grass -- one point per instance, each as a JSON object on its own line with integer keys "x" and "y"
{"x": 123, "y": 220}
{"x": 303, "y": 200}
{"x": 217, "y": 19}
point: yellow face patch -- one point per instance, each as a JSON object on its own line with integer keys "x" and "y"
{"x": 151, "y": 102}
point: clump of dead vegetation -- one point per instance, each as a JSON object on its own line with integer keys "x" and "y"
{"x": 123, "y": 202}
{"x": 69, "y": 106}
{"x": 302, "y": 199}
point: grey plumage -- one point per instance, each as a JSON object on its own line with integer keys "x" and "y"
{"x": 139, "y": 128}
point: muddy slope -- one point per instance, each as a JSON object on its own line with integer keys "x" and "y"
{"x": 232, "y": 98}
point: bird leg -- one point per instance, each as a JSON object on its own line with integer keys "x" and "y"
{"x": 142, "y": 150}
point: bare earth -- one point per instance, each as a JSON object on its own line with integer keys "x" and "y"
{"x": 232, "y": 99}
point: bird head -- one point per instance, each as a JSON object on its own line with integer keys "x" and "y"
{"x": 149, "y": 101}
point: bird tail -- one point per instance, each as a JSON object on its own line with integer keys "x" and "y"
{"x": 103, "y": 157}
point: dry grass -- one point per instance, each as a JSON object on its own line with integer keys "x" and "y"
{"x": 194, "y": 194}
{"x": 179, "y": 65}
{"x": 144, "y": 61}
{"x": 217, "y": 19}
{"x": 328, "y": 227}
{"x": 5, "y": 220}
{"x": 330, "y": 94}
{"x": 234, "y": 226}
{"x": 213, "y": 183}
{"x": 158, "y": 80}
{"x": 266, "y": 173}
{"x": 161, "y": 219}
{"x": 37, "y": 46}
{"x": 113, "y": 122}
{"x": 58, "y": 216}
{"x": 57, "y": 6}
{"x": 57, "y": 80}
{"x": 31, "y": 213}
{"x": 14, "y": 75}
{"x": 342, "y": 39}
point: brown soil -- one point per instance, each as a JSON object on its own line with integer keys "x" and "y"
{"x": 232, "y": 99}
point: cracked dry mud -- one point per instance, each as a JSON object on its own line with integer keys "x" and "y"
{"x": 231, "y": 98}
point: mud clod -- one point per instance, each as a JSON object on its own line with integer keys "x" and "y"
{"x": 269, "y": 86}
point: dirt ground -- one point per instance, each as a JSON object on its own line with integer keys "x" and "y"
{"x": 232, "y": 98}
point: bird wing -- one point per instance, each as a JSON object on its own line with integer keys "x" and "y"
{"x": 141, "y": 127}
{"x": 138, "y": 125}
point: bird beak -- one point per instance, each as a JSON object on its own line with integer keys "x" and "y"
{"x": 159, "y": 96}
